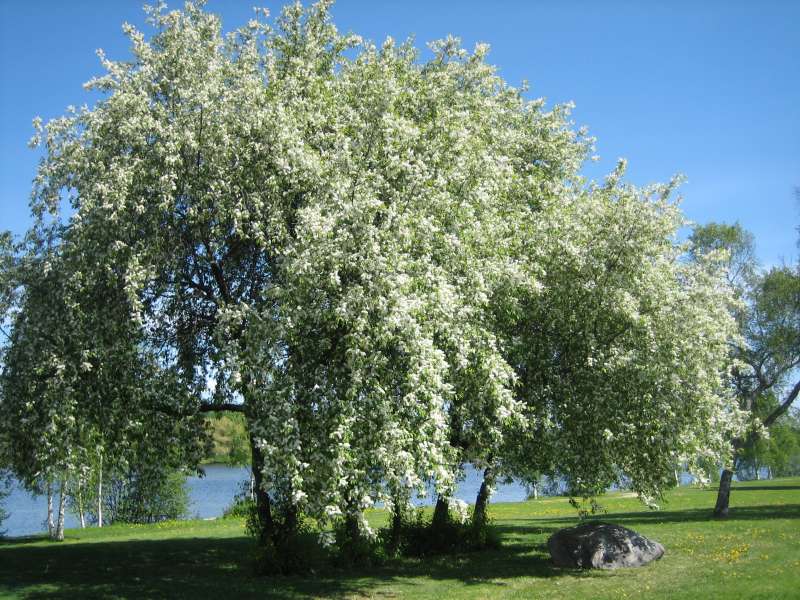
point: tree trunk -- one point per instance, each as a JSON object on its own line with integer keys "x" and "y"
{"x": 396, "y": 529}
{"x": 724, "y": 494}
{"x": 479, "y": 516}
{"x": 59, "y": 537}
{"x": 535, "y": 490}
{"x": 50, "y": 524}
{"x": 287, "y": 527}
{"x": 100, "y": 491}
{"x": 441, "y": 513}
{"x": 81, "y": 513}
{"x": 723, "y": 497}
{"x": 263, "y": 506}
{"x": 351, "y": 548}
{"x": 351, "y": 527}
{"x": 290, "y": 520}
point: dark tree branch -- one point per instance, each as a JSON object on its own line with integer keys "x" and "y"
{"x": 219, "y": 276}
{"x": 784, "y": 406}
{"x": 224, "y": 407}
{"x": 204, "y": 290}
{"x": 753, "y": 436}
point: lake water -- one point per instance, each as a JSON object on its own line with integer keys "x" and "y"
{"x": 209, "y": 496}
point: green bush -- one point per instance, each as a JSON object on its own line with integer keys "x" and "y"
{"x": 243, "y": 505}
{"x": 415, "y": 534}
{"x": 148, "y": 494}
{"x": 297, "y": 553}
{"x": 241, "y": 508}
{"x": 353, "y": 548}
{"x": 310, "y": 548}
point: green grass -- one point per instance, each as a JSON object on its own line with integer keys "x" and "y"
{"x": 755, "y": 553}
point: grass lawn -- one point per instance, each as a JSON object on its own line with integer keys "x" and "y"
{"x": 755, "y": 553}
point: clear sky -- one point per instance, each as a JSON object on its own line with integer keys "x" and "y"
{"x": 708, "y": 89}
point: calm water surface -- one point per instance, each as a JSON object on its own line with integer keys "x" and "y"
{"x": 209, "y": 496}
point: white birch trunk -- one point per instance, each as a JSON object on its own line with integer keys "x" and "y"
{"x": 61, "y": 502}
{"x": 50, "y": 523}
{"x": 100, "y": 493}
{"x": 81, "y": 513}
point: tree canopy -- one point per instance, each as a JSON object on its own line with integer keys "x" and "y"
{"x": 388, "y": 261}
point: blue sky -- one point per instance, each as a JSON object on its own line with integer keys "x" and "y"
{"x": 707, "y": 89}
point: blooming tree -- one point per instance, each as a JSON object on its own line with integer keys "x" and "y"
{"x": 388, "y": 264}
{"x": 316, "y": 234}
{"x": 621, "y": 356}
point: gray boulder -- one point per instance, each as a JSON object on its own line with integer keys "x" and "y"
{"x": 597, "y": 545}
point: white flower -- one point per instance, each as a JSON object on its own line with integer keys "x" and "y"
{"x": 327, "y": 539}
{"x": 460, "y": 508}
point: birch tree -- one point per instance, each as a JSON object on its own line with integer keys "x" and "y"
{"x": 38, "y": 409}
{"x": 74, "y": 380}
{"x": 766, "y": 351}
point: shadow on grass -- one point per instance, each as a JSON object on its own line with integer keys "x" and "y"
{"x": 771, "y": 488}
{"x": 519, "y": 527}
{"x": 211, "y": 567}
{"x": 739, "y": 513}
{"x": 16, "y": 541}
{"x": 223, "y": 568}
